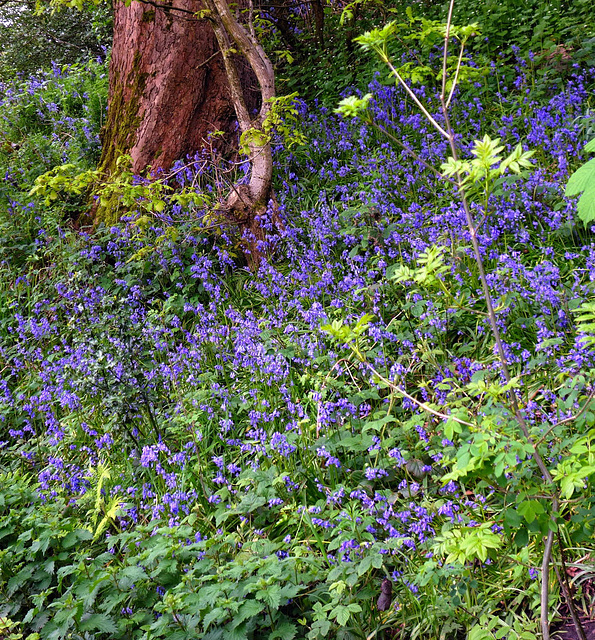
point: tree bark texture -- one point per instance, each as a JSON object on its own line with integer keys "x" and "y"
{"x": 168, "y": 85}
{"x": 175, "y": 78}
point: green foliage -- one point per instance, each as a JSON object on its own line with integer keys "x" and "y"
{"x": 529, "y": 25}
{"x": 32, "y": 40}
{"x": 67, "y": 582}
{"x": 492, "y": 627}
{"x": 586, "y": 322}
{"x": 62, "y": 180}
{"x": 424, "y": 34}
{"x": 353, "y": 107}
{"x": 487, "y": 154}
{"x": 323, "y": 70}
{"x": 286, "y": 548}
{"x": 582, "y": 181}
{"x": 69, "y": 104}
{"x": 280, "y": 120}
{"x": 121, "y": 193}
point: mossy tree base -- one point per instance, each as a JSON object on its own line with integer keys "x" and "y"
{"x": 168, "y": 89}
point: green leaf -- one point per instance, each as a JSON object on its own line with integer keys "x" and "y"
{"x": 581, "y": 178}
{"x": 271, "y": 595}
{"x": 216, "y": 614}
{"x": 247, "y": 610}
{"x": 284, "y": 631}
{"x": 352, "y": 106}
{"x": 74, "y": 536}
{"x": 130, "y": 575}
{"x": 586, "y": 205}
{"x": 98, "y": 622}
{"x": 341, "y": 614}
{"x": 530, "y": 509}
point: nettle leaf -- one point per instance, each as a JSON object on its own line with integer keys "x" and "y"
{"x": 130, "y": 575}
{"x": 98, "y": 622}
{"x": 217, "y": 614}
{"x": 75, "y": 536}
{"x": 285, "y": 631}
{"x": 247, "y": 610}
{"x": 271, "y": 595}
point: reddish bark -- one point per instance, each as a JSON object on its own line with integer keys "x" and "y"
{"x": 168, "y": 87}
{"x": 173, "y": 80}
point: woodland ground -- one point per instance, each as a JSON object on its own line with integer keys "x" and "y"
{"x": 191, "y": 449}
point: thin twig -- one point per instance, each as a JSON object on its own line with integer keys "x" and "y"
{"x": 499, "y": 342}
{"x": 569, "y": 419}
{"x": 202, "y": 64}
{"x": 323, "y": 387}
{"x": 563, "y": 580}
{"x": 456, "y": 78}
{"x": 421, "y": 405}
{"x": 415, "y": 99}
{"x": 412, "y": 153}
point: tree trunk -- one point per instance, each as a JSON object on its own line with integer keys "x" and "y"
{"x": 168, "y": 86}
{"x": 318, "y": 10}
{"x": 247, "y": 203}
{"x": 175, "y": 78}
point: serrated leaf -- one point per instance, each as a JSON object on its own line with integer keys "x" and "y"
{"x": 98, "y": 622}
{"x": 131, "y": 575}
{"x": 247, "y": 610}
{"x": 284, "y": 631}
{"x": 271, "y": 595}
{"x": 74, "y": 536}
{"x": 217, "y": 613}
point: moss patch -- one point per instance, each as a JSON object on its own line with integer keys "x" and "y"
{"x": 118, "y": 134}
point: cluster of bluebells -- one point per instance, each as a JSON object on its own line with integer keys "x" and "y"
{"x": 61, "y": 110}
{"x": 221, "y": 388}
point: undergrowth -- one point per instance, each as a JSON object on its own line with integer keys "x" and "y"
{"x": 190, "y": 449}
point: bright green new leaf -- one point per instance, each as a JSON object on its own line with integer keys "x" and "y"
{"x": 583, "y": 181}
{"x": 352, "y": 106}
